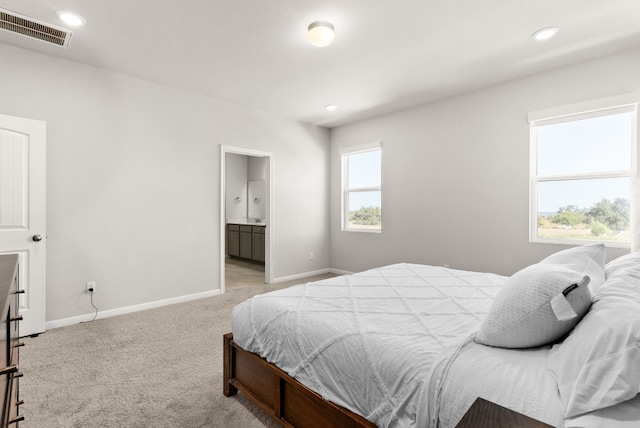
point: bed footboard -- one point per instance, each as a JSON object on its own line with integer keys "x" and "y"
{"x": 280, "y": 396}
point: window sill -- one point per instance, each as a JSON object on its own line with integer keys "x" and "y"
{"x": 610, "y": 244}
{"x": 362, "y": 230}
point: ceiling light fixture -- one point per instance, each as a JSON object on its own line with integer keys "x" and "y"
{"x": 70, "y": 18}
{"x": 545, "y": 33}
{"x": 331, "y": 107}
{"x": 320, "y": 33}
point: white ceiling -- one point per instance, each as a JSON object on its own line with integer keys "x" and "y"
{"x": 387, "y": 55}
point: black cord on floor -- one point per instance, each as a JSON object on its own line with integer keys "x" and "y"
{"x": 94, "y": 307}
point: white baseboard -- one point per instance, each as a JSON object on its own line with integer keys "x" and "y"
{"x": 340, "y": 272}
{"x": 300, "y": 275}
{"x": 129, "y": 309}
{"x": 159, "y": 303}
{"x": 308, "y": 274}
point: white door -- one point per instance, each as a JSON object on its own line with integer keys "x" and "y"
{"x": 22, "y": 211}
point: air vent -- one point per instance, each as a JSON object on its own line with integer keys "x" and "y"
{"x": 29, "y": 27}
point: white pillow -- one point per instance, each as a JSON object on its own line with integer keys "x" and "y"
{"x": 598, "y": 365}
{"x": 531, "y": 310}
{"x": 631, "y": 260}
{"x": 588, "y": 259}
{"x": 536, "y": 306}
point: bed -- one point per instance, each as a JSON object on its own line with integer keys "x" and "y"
{"x": 415, "y": 345}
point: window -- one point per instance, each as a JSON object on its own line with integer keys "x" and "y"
{"x": 362, "y": 188}
{"x": 582, "y": 167}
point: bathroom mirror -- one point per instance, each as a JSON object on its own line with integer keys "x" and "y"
{"x": 255, "y": 199}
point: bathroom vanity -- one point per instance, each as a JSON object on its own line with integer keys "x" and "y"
{"x": 246, "y": 240}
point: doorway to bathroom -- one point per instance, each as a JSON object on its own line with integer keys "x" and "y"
{"x": 246, "y": 195}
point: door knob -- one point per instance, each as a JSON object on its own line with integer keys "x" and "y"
{"x": 37, "y": 238}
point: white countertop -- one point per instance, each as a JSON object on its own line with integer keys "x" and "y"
{"x": 246, "y": 222}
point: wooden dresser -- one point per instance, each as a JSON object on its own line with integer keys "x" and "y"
{"x": 9, "y": 342}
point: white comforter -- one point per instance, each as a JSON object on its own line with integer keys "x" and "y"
{"x": 367, "y": 341}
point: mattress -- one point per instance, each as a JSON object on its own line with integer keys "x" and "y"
{"x": 367, "y": 341}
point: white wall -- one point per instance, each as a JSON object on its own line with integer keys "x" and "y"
{"x": 133, "y": 176}
{"x": 456, "y": 172}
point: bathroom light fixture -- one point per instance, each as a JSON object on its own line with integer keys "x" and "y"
{"x": 331, "y": 107}
{"x": 70, "y": 18}
{"x": 545, "y": 33}
{"x": 320, "y": 33}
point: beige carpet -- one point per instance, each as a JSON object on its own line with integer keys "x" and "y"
{"x": 156, "y": 368}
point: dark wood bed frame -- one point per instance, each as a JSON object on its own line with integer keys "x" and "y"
{"x": 283, "y": 398}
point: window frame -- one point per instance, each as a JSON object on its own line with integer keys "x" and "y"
{"x": 598, "y": 108}
{"x": 345, "y": 190}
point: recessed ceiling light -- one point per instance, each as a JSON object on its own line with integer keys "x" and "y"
{"x": 331, "y": 107}
{"x": 70, "y": 18}
{"x": 545, "y": 33}
{"x": 320, "y": 33}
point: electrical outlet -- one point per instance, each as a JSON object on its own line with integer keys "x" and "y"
{"x": 310, "y": 256}
{"x": 91, "y": 286}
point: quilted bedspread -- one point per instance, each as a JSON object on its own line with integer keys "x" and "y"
{"x": 367, "y": 341}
